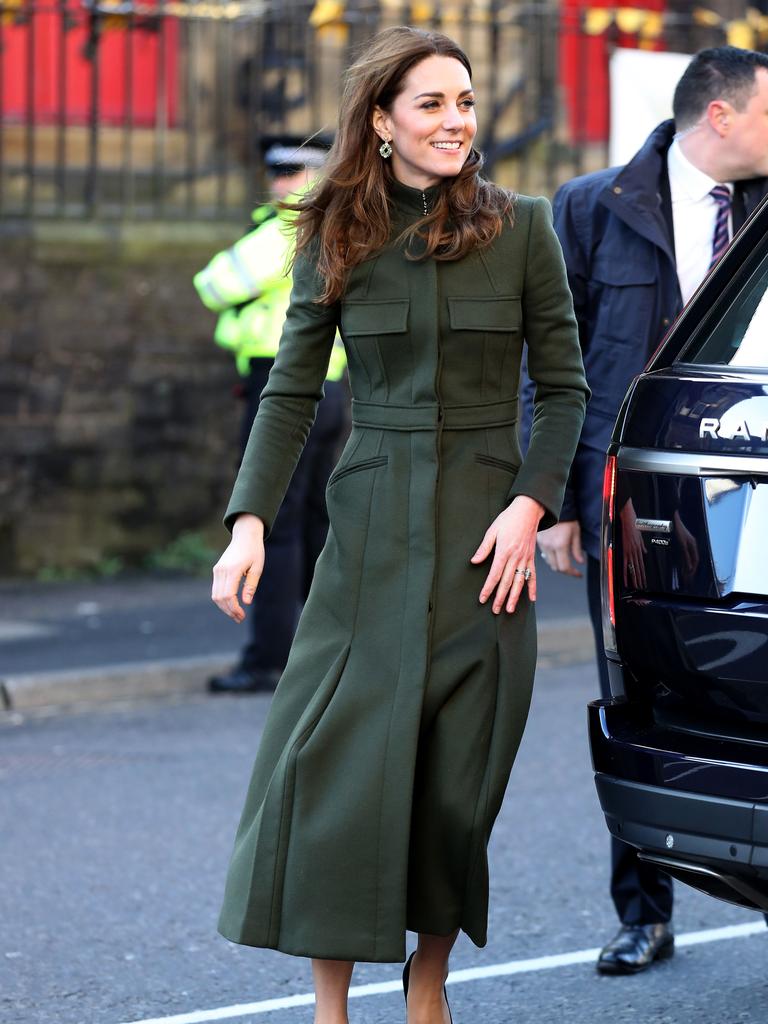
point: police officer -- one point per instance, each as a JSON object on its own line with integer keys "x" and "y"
{"x": 248, "y": 286}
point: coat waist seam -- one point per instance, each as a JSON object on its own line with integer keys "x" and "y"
{"x": 433, "y": 416}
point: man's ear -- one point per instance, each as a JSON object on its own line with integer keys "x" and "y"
{"x": 720, "y": 117}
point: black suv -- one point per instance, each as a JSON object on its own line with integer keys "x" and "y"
{"x": 681, "y": 750}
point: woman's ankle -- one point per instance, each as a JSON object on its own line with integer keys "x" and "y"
{"x": 331, "y": 1018}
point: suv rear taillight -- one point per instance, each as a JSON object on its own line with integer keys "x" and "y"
{"x": 607, "y": 577}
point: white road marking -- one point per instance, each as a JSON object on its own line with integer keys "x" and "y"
{"x": 541, "y": 963}
{"x": 12, "y": 631}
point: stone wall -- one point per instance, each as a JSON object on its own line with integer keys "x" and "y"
{"x": 118, "y": 427}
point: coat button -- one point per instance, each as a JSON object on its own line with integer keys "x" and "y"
{"x": 665, "y": 321}
{"x": 617, "y": 190}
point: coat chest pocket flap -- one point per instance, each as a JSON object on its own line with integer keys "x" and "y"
{"x": 375, "y": 317}
{"x": 495, "y": 313}
{"x": 623, "y": 273}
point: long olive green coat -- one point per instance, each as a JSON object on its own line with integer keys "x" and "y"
{"x": 393, "y": 730}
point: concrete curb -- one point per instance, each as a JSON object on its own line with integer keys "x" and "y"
{"x": 111, "y": 682}
{"x": 561, "y": 642}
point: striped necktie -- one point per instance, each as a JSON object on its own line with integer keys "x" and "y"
{"x": 722, "y": 196}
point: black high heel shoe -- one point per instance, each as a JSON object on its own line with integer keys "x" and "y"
{"x": 406, "y": 981}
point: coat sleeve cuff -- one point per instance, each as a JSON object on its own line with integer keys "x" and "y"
{"x": 543, "y": 492}
{"x": 569, "y": 512}
{"x": 236, "y": 508}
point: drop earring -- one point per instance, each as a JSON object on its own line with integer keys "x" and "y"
{"x": 385, "y": 149}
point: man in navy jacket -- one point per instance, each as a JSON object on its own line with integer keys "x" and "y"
{"x": 637, "y": 241}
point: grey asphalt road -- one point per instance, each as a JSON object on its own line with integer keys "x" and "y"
{"x": 55, "y": 626}
{"x": 116, "y": 826}
{"x": 50, "y": 627}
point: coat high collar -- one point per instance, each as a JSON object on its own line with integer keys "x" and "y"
{"x": 635, "y": 193}
{"x": 409, "y": 200}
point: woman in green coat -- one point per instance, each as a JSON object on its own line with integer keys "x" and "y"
{"x": 393, "y": 730}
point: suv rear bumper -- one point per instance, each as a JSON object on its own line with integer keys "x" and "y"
{"x": 703, "y": 818}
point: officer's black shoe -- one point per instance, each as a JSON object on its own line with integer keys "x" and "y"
{"x": 241, "y": 680}
{"x": 635, "y": 947}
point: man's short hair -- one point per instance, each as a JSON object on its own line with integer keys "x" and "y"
{"x": 719, "y": 73}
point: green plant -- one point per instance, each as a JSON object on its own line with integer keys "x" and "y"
{"x": 189, "y": 552}
{"x": 109, "y": 566}
{"x": 105, "y": 568}
{"x": 59, "y": 574}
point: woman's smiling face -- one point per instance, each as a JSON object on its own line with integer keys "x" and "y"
{"x": 431, "y": 124}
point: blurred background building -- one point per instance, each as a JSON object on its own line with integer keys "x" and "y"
{"x": 130, "y": 151}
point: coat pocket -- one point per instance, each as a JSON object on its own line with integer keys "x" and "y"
{"x": 361, "y": 317}
{"x": 623, "y": 273}
{"x": 494, "y": 463}
{"x": 357, "y": 467}
{"x": 622, "y": 295}
{"x": 495, "y": 313}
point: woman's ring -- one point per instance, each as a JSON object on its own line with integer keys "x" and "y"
{"x": 525, "y": 573}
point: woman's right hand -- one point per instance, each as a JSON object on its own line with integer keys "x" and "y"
{"x": 244, "y": 557}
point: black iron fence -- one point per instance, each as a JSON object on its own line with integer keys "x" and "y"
{"x": 158, "y": 108}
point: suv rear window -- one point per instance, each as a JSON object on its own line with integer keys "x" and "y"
{"x": 739, "y": 337}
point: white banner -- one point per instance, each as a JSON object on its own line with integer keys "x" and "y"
{"x": 642, "y": 84}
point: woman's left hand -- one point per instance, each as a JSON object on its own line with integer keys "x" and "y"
{"x": 513, "y": 534}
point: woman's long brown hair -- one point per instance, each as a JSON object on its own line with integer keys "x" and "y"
{"x": 346, "y": 217}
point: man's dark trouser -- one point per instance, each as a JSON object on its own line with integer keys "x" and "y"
{"x": 642, "y": 894}
{"x": 299, "y": 531}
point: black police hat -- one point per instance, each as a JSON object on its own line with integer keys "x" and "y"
{"x": 289, "y": 154}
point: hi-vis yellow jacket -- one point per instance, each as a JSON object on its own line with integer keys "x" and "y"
{"x": 249, "y": 286}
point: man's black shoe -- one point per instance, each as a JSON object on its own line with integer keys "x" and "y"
{"x": 240, "y": 680}
{"x": 635, "y": 947}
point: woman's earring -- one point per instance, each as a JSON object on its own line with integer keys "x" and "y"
{"x": 385, "y": 149}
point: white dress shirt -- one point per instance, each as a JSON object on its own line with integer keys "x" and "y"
{"x": 753, "y": 350}
{"x": 694, "y": 212}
